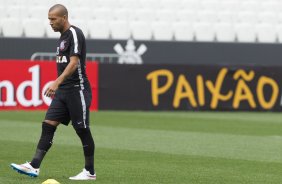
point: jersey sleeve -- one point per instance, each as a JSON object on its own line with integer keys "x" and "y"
{"x": 76, "y": 43}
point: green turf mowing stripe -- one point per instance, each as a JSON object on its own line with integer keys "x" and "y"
{"x": 258, "y": 148}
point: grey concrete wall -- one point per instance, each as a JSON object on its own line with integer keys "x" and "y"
{"x": 160, "y": 52}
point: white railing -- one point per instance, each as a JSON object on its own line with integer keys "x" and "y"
{"x": 99, "y": 57}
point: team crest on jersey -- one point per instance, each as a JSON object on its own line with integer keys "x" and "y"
{"x": 62, "y": 45}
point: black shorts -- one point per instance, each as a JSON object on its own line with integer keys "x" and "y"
{"x": 70, "y": 105}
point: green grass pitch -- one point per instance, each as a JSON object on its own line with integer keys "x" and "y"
{"x": 152, "y": 147}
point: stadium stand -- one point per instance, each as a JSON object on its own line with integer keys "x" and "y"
{"x": 119, "y": 29}
{"x": 99, "y": 29}
{"x": 225, "y": 32}
{"x": 245, "y": 32}
{"x": 207, "y": 20}
{"x": 141, "y": 30}
{"x": 204, "y": 31}
{"x": 188, "y": 16}
{"x": 266, "y": 33}
{"x": 162, "y": 30}
{"x": 183, "y": 31}
{"x": 30, "y": 31}
{"x": 12, "y": 27}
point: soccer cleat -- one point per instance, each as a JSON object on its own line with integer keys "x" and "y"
{"x": 26, "y": 169}
{"x": 84, "y": 175}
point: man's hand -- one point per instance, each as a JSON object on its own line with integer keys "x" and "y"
{"x": 72, "y": 66}
{"x": 50, "y": 91}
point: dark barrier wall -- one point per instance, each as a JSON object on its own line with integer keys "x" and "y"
{"x": 149, "y": 86}
{"x": 183, "y": 87}
{"x": 160, "y": 52}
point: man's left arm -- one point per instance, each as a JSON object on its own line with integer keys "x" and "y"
{"x": 72, "y": 66}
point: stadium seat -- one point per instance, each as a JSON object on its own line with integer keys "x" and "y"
{"x": 247, "y": 17}
{"x": 120, "y": 29}
{"x": 81, "y": 24}
{"x": 149, "y": 4}
{"x": 12, "y": 3}
{"x": 108, "y": 4}
{"x": 67, "y": 3}
{"x": 102, "y": 14}
{"x": 81, "y": 13}
{"x": 2, "y": 12}
{"x": 141, "y": 30}
{"x": 278, "y": 30}
{"x": 231, "y": 6}
{"x": 16, "y": 12}
{"x": 225, "y": 32}
{"x": 148, "y": 15}
{"x": 268, "y": 17}
{"x": 12, "y": 27}
{"x": 253, "y": 6}
{"x": 211, "y": 5}
{"x": 204, "y": 31}
{"x": 266, "y": 33}
{"x": 129, "y": 4}
{"x": 1, "y": 29}
{"x": 271, "y": 6}
{"x": 190, "y": 5}
{"x": 279, "y": 17}
{"x": 35, "y": 3}
{"x": 33, "y": 28}
{"x": 166, "y": 15}
{"x": 38, "y": 12}
{"x": 122, "y": 14}
{"x": 226, "y": 17}
{"x": 186, "y": 16}
{"x": 170, "y": 4}
{"x": 162, "y": 31}
{"x": 207, "y": 16}
{"x": 99, "y": 29}
{"x": 245, "y": 32}
{"x": 183, "y": 31}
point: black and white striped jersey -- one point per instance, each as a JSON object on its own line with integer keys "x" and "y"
{"x": 72, "y": 43}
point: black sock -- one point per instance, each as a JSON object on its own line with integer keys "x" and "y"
{"x": 89, "y": 164}
{"x": 44, "y": 144}
{"x": 37, "y": 158}
{"x": 88, "y": 148}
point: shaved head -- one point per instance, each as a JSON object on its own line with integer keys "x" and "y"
{"x": 58, "y": 17}
{"x": 61, "y": 10}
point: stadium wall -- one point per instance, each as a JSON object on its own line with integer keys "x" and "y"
{"x": 189, "y": 87}
{"x": 149, "y": 86}
{"x": 158, "y": 52}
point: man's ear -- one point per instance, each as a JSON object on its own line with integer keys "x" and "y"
{"x": 65, "y": 17}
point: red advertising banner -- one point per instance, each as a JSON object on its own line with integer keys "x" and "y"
{"x": 23, "y": 82}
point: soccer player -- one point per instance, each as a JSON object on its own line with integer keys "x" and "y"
{"x": 72, "y": 96}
